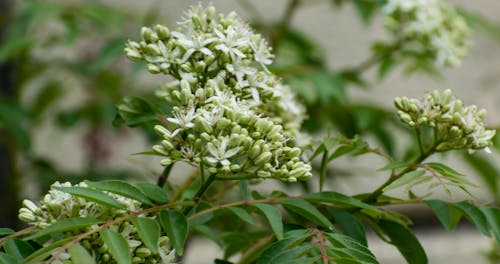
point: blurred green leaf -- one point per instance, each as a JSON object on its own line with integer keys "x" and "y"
{"x": 409, "y": 179}
{"x": 273, "y": 216}
{"x": 493, "y": 218}
{"x": 117, "y": 246}
{"x": 349, "y": 224}
{"x": 153, "y": 192}
{"x": 406, "y": 242}
{"x": 79, "y": 255}
{"x": 65, "y": 225}
{"x": 176, "y": 226}
{"x": 242, "y": 214}
{"x": 92, "y": 195}
{"x": 307, "y": 210}
{"x": 448, "y": 215}
{"x": 149, "y": 232}
{"x": 475, "y": 216}
{"x": 121, "y": 188}
{"x": 18, "y": 248}
{"x": 7, "y": 259}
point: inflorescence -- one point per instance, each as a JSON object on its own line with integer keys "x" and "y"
{"x": 230, "y": 114}
{"x": 58, "y": 205}
{"x": 456, "y": 126}
{"x": 430, "y": 28}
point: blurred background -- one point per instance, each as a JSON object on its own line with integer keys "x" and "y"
{"x": 62, "y": 71}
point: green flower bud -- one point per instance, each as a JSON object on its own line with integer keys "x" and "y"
{"x": 103, "y": 249}
{"x": 31, "y": 206}
{"x": 235, "y": 168}
{"x": 254, "y": 151}
{"x": 162, "y": 131}
{"x": 162, "y": 32}
{"x": 263, "y": 158}
{"x": 160, "y": 150}
{"x": 153, "y": 69}
{"x": 148, "y": 35}
{"x": 263, "y": 174}
{"x": 27, "y": 217}
{"x": 142, "y": 252}
{"x": 204, "y": 125}
{"x": 106, "y": 257}
{"x": 133, "y": 53}
{"x": 166, "y": 162}
{"x": 138, "y": 260}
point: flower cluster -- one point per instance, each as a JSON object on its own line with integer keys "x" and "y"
{"x": 229, "y": 112}
{"x": 456, "y": 126}
{"x": 430, "y": 28}
{"x": 58, "y": 205}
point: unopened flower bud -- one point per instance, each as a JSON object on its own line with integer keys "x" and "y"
{"x": 162, "y": 32}
{"x": 148, "y": 35}
{"x": 263, "y": 158}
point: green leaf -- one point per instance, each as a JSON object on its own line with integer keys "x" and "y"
{"x": 341, "y": 151}
{"x": 45, "y": 97}
{"x": 395, "y": 165}
{"x": 176, "y": 226}
{"x": 337, "y": 199}
{"x": 406, "y": 242}
{"x": 242, "y": 213}
{"x": 475, "y": 216}
{"x": 408, "y": 178}
{"x": 208, "y": 233}
{"x": 386, "y": 65}
{"x": 487, "y": 171}
{"x": 153, "y": 192}
{"x": 64, "y": 225}
{"x": 46, "y": 251}
{"x": 18, "y": 248}
{"x": 493, "y": 218}
{"x": 121, "y": 188}
{"x": 7, "y": 259}
{"x": 117, "y": 246}
{"x": 149, "y": 232}
{"x": 447, "y": 215}
{"x": 136, "y": 111}
{"x": 349, "y": 224}
{"x": 14, "y": 46}
{"x": 92, "y": 195}
{"x": 346, "y": 247}
{"x": 79, "y": 255}
{"x": 6, "y": 231}
{"x": 287, "y": 249}
{"x": 443, "y": 169}
{"x": 107, "y": 55}
{"x": 273, "y": 216}
{"x": 366, "y": 9}
{"x": 308, "y": 211}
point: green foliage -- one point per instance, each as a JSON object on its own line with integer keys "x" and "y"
{"x": 101, "y": 221}
{"x": 117, "y": 246}
{"x": 175, "y": 226}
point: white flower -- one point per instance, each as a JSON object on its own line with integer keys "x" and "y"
{"x": 212, "y": 116}
{"x": 240, "y": 69}
{"x": 197, "y": 42}
{"x": 262, "y": 54}
{"x": 230, "y": 42}
{"x": 219, "y": 152}
{"x": 183, "y": 120}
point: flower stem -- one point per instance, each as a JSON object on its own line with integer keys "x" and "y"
{"x": 323, "y": 170}
{"x": 164, "y": 175}
{"x": 380, "y": 190}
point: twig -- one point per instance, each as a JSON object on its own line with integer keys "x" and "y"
{"x": 164, "y": 175}
{"x": 18, "y": 234}
{"x": 112, "y": 222}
